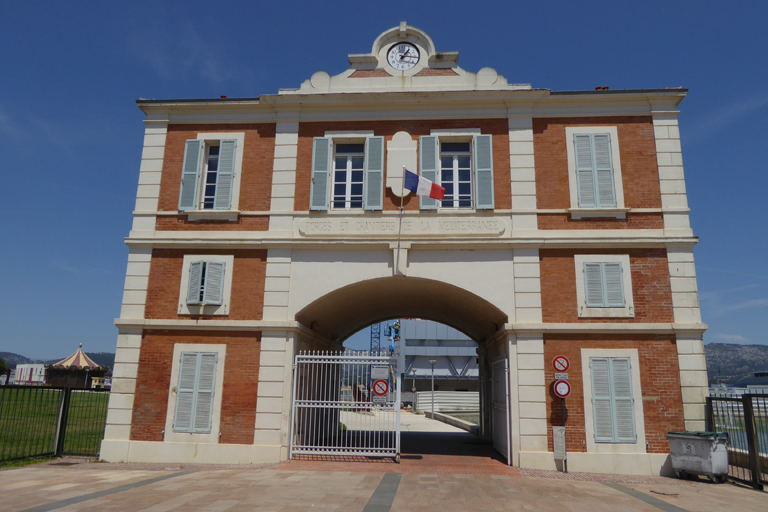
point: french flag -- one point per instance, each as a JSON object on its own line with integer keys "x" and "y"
{"x": 422, "y": 186}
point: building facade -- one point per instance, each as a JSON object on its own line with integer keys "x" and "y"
{"x": 268, "y": 225}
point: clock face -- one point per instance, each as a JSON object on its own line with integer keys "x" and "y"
{"x": 403, "y": 56}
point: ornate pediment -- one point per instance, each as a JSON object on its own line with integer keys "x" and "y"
{"x": 404, "y": 59}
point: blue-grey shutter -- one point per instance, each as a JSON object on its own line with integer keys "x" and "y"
{"x": 321, "y": 163}
{"x": 624, "y": 409}
{"x": 428, "y": 165}
{"x": 606, "y": 196}
{"x": 614, "y": 285}
{"x": 593, "y": 285}
{"x": 601, "y": 400}
{"x": 374, "y": 173}
{"x": 206, "y": 383}
{"x": 225, "y": 176}
{"x": 190, "y": 175}
{"x": 193, "y": 287}
{"x": 185, "y": 392}
{"x": 214, "y": 283}
{"x": 483, "y": 172}
{"x": 585, "y": 177}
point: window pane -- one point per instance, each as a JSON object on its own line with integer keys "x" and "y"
{"x": 465, "y": 189}
{"x": 210, "y": 190}
{"x": 357, "y": 176}
{"x": 340, "y": 189}
{"x": 357, "y": 163}
{"x": 350, "y": 148}
{"x": 213, "y": 150}
{"x": 465, "y": 203}
{"x": 446, "y": 175}
{"x": 213, "y": 164}
{"x": 356, "y": 204}
{"x": 357, "y": 189}
{"x": 448, "y": 188}
{"x": 341, "y": 163}
{"x": 447, "y": 203}
{"x": 338, "y": 204}
{"x": 465, "y": 175}
{"x": 341, "y": 176}
{"x": 211, "y": 178}
{"x": 454, "y": 147}
{"x": 208, "y": 205}
{"x": 446, "y": 162}
{"x": 464, "y": 162}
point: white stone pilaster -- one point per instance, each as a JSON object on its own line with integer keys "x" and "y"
{"x": 527, "y": 285}
{"x": 674, "y": 200}
{"x": 532, "y": 405}
{"x": 274, "y": 394}
{"x": 277, "y": 284}
{"x": 150, "y": 173}
{"x": 284, "y": 175}
{"x": 693, "y": 379}
{"x": 682, "y": 281}
{"x": 522, "y": 174}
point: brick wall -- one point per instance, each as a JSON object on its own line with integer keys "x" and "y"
{"x": 246, "y": 301}
{"x": 238, "y": 397}
{"x": 181, "y": 223}
{"x": 496, "y": 127}
{"x": 659, "y": 380}
{"x": 651, "y": 290}
{"x": 639, "y": 171}
{"x": 255, "y": 180}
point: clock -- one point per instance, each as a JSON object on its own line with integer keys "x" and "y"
{"x": 403, "y": 56}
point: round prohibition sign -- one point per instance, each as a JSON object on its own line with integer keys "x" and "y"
{"x": 562, "y": 388}
{"x": 561, "y": 364}
{"x": 380, "y": 387}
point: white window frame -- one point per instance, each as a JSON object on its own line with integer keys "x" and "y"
{"x": 440, "y": 142}
{"x": 628, "y": 311}
{"x": 186, "y": 437}
{"x": 349, "y": 156}
{"x": 466, "y": 135}
{"x": 576, "y": 211}
{"x": 208, "y": 309}
{"x": 214, "y": 139}
{"x": 637, "y": 394}
{"x": 345, "y": 137}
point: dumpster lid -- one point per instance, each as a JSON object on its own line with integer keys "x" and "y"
{"x": 699, "y": 435}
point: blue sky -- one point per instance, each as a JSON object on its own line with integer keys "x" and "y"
{"x": 71, "y": 135}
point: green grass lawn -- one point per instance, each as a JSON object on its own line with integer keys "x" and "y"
{"x": 28, "y": 419}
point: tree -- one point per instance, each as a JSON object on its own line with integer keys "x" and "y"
{"x": 3, "y": 366}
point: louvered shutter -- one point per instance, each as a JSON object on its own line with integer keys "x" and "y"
{"x": 601, "y": 400}
{"x": 321, "y": 163}
{"x": 606, "y": 195}
{"x": 193, "y": 286}
{"x": 206, "y": 383}
{"x": 593, "y": 285}
{"x": 428, "y": 168}
{"x": 214, "y": 283}
{"x": 585, "y": 178}
{"x": 190, "y": 174}
{"x": 374, "y": 173}
{"x": 185, "y": 393}
{"x": 614, "y": 285}
{"x": 624, "y": 409}
{"x": 225, "y": 176}
{"x": 483, "y": 172}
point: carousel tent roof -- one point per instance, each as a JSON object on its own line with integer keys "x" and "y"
{"x": 77, "y": 361}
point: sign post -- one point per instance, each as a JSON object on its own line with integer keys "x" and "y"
{"x": 562, "y": 388}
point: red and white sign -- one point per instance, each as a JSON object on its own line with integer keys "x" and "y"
{"x": 561, "y": 364}
{"x": 562, "y": 388}
{"x": 380, "y": 387}
{"x": 413, "y": 389}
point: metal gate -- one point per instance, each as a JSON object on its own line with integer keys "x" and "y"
{"x": 500, "y": 404}
{"x": 346, "y": 403}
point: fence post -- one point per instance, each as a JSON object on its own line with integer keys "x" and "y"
{"x": 750, "y": 428}
{"x": 709, "y": 415}
{"x": 61, "y": 423}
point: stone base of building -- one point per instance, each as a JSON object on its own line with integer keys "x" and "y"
{"x": 657, "y": 464}
{"x": 190, "y": 453}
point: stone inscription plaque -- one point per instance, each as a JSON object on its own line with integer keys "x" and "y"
{"x": 388, "y": 227}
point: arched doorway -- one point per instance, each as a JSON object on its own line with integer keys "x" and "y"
{"x": 342, "y": 312}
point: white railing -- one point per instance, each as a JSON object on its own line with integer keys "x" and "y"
{"x": 346, "y": 403}
{"x": 447, "y": 401}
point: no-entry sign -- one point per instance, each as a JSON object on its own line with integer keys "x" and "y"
{"x": 561, "y": 364}
{"x": 562, "y": 388}
{"x": 380, "y": 387}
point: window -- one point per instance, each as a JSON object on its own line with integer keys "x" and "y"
{"x": 194, "y": 399}
{"x": 354, "y": 169}
{"x": 612, "y": 400}
{"x": 604, "y": 286}
{"x": 460, "y": 163}
{"x": 594, "y": 171}
{"x": 456, "y": 175}
{"x": 194, "y": 394}
{"x": 211, "y": 173}
{"x": 348, "y": 172}
{"x": 206, "y": 284}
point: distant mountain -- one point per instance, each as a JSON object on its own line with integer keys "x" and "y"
{"x": 730, "y": 363}
{"x": 106, "y": 359}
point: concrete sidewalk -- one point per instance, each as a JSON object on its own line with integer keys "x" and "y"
{"x": 157, "y": 488}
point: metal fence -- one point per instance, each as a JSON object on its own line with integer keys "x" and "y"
{"x": 745, "y": 419}
{"x": 346, "y": 404}
{"x": 45, "y": 421}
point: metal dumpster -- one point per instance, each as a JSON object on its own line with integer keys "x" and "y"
{"x": 699, "y": 453}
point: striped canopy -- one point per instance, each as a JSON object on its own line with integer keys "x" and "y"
{"x": 78, "y": 360}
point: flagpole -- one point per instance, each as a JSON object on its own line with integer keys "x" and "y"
{"x": 400, "y": 228}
